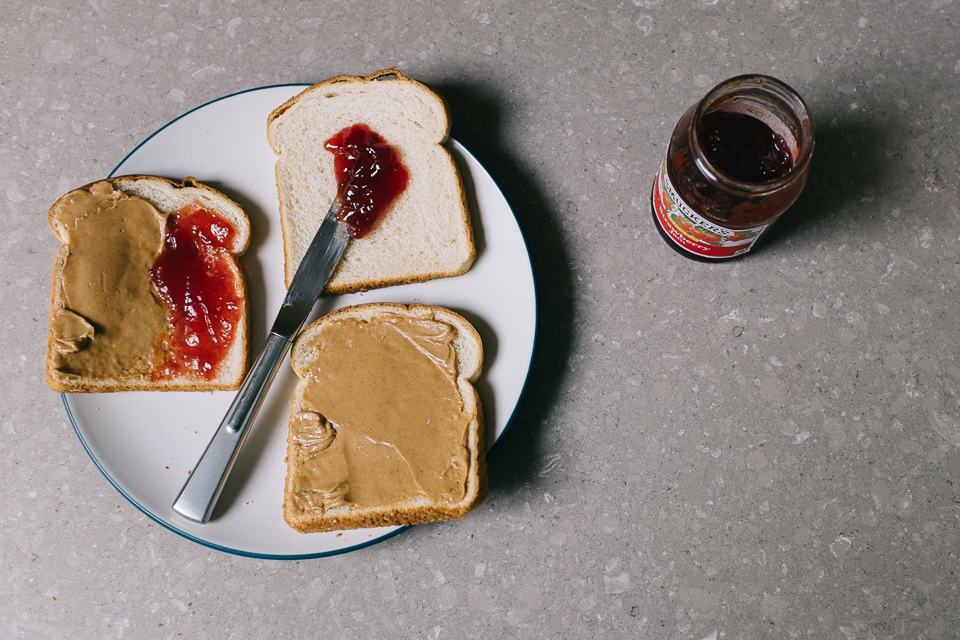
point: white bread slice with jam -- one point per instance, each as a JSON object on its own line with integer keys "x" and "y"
{"x": 386, "y": 427}
{"x": 426, "y": 233}
{"x": 108, "y": 328}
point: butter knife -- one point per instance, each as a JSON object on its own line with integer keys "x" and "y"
{"x": 199, "y": 494}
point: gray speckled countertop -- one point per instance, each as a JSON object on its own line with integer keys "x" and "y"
{"x": 763, "y": 448}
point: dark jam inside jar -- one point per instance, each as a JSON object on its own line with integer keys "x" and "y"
{"x": 198, "y": 278}
{"x": 369, "y": 176}
{"x": 746, "y": 155}
{"x": 736, "y": 161}
{"x": 744, "y": 147}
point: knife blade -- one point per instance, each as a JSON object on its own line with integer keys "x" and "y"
{"x": 200, "y": 492}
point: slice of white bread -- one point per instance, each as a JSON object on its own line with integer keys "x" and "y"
{"x": 426, "y": 233}
{"x": 412, "y": 507}
{"x": 166, "y": 197}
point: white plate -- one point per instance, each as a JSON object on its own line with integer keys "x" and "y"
{"x": 145, "y": 443}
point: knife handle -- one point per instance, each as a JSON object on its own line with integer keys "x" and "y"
{"x": 199, "y": 494}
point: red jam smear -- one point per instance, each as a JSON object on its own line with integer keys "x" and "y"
{"x": 369, "y": 176}
{"x": 744, "y": 147}
{"x": 198, "y": 278}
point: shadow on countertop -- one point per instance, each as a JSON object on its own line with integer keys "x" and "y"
{"x": 848, "y": 164}
{"x": 476, "y": 124}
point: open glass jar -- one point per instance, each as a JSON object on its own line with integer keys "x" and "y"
{"x": 736, "y": 161}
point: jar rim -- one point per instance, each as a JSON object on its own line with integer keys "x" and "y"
{"x": 760, "y": 85}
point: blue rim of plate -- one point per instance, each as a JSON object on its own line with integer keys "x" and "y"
{"x": 322, "y": 554}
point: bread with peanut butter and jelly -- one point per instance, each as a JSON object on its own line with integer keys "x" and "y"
{"x": 147, "y": 292}
{"x": 386, "y": 427}
{"x": 426, "y": 232}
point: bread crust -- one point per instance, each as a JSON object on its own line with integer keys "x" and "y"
{"x": 236, "y": 361}
{"x": 469, "y": 353}
{"x": 337, "y": 285}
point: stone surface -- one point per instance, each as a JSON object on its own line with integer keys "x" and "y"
{"x": 764, "y": 448}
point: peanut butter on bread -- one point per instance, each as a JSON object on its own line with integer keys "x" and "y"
{"x": 389, "y": 387}
{"x": 385, "y": 426}
{"x": 107, "y": 320}
{"x": 108, "y": 328}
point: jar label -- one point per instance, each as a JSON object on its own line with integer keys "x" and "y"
{"x": 692, "y": 231}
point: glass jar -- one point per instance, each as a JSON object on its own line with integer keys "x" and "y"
{"x": 736, "y": 161}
